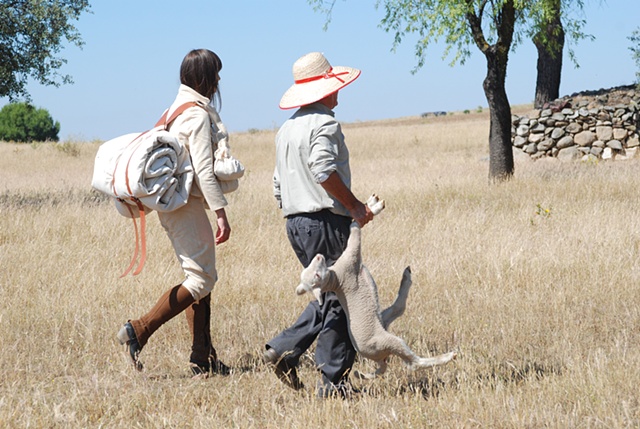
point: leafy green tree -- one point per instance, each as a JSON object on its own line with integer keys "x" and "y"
{"x": 494, "y": 27}
{"x": 32, "y": 33}
{"x": 21, "y": 122}
{"x": 487, "y": 24}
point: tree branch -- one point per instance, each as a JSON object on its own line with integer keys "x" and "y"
{"x": 475, "y": 24}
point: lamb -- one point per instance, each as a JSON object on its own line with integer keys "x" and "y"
{"x": 358, "y": 295}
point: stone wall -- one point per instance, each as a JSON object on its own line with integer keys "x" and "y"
{"x": 593, "y": 125}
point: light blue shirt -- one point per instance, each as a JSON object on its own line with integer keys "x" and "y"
{"x": 309, "y": 148}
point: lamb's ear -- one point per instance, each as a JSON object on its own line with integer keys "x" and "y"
{"x": 314, "y": 291}
{"x": 303, "y": 288}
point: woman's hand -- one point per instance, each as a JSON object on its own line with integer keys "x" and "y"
{"x": 224, "y": 230}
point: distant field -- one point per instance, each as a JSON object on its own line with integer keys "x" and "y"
{"x": 537, "y": 278}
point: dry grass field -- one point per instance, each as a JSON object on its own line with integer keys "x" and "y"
{"x": 538, "y": 279}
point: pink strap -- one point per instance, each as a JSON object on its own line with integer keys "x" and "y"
{"x": 163, "y": 120}
{"x": 135, "y": 252}
{"x": 141, "y": 240}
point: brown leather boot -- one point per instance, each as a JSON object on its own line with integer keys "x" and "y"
{"x": 171, "y": 303}
{"x": 203, "y": 359}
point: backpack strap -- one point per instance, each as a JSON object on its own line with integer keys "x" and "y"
{"x": 140, "y": 237}
{"x": 141, "y": 241}
{"x": 181, "y": 108}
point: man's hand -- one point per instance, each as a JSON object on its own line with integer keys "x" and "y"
{"x": 358, "y": 211}
{"x": 361, "y": 214}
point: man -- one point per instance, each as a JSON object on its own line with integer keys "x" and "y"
{"x": 312, "y": 181}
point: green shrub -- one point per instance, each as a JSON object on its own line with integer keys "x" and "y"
{"x": 21, "y": 122}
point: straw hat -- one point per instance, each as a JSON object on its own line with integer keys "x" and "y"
{"x": 315, "y": 79}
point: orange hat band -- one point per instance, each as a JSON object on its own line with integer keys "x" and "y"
{"x": 327, "y": 75}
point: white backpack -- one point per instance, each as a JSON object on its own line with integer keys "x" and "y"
{"x": 143, "y": 172}
{"x": 152, "y": 171}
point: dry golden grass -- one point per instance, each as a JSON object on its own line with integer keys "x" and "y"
{"x": 538, "y": 278}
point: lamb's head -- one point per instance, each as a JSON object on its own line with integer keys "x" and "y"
{"x": 314, "y": 277}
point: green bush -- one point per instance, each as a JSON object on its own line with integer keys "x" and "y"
{"x": 21, "y": 122}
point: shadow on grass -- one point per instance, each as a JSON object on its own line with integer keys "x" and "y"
{"x": 428, "y": 384}
{"x": 432, "y": 383}
{"x": 517, "y": 373}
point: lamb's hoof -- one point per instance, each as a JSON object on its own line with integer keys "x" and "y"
{"x": 375, "y": 204}
{"x": 451, "y": 356}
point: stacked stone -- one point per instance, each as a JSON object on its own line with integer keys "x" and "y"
{"x": 580, "y": 127}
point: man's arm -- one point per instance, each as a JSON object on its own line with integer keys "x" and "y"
{"x": 277, "y": 193}
{"x": 336, "y": 187}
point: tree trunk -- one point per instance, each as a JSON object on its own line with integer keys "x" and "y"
{"x": 549, "y": 42}
{"x": 500, "y": 150}
{"x": 501, "y": 165}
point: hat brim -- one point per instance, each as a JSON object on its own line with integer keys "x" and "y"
{"x": 301, "y": 94}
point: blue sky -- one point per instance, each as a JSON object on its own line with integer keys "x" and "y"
{"x": 127, "y": 72}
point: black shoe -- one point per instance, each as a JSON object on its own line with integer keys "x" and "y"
{"x": 126, "y": 335}
{"x": 288, "y": 375}
{"x": 218, "y": 367}
{"x": 343, "y": 390}
{"x": 200, "y": 369}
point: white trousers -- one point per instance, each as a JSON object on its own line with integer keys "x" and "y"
{"x": 193, "y": 240}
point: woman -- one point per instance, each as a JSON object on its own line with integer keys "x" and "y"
{"x": 188, "y": 227}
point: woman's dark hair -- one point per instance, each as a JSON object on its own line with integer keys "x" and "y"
{"x": 200, "y": 71}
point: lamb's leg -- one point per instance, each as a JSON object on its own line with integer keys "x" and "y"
{"x": 382, "y": 368}
{"x": 433, "y": 361}
{"x": 398, "y": 347}
{"x": 375, "y": 204}
{"x": 396, "y": 309}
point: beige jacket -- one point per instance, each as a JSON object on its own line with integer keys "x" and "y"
{"x": 193, "y": 129}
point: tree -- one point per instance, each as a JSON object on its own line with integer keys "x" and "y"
{"x": 32, "y": 33}
{"x": 549, "y": 41}
{"x": 494, "y": 27}
{"x": 21, "y": 122}
{"x": 503, "y": 19}
{"x": 488, "y": 24}
{"x": 552, "y": 22}
{"x": 635, "y": 50}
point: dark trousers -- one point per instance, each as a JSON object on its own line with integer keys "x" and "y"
{"x": 309, "y": 234}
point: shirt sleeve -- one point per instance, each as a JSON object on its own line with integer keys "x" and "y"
{"x": 201, "y": 150}
{"x": 323, "y": 151}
